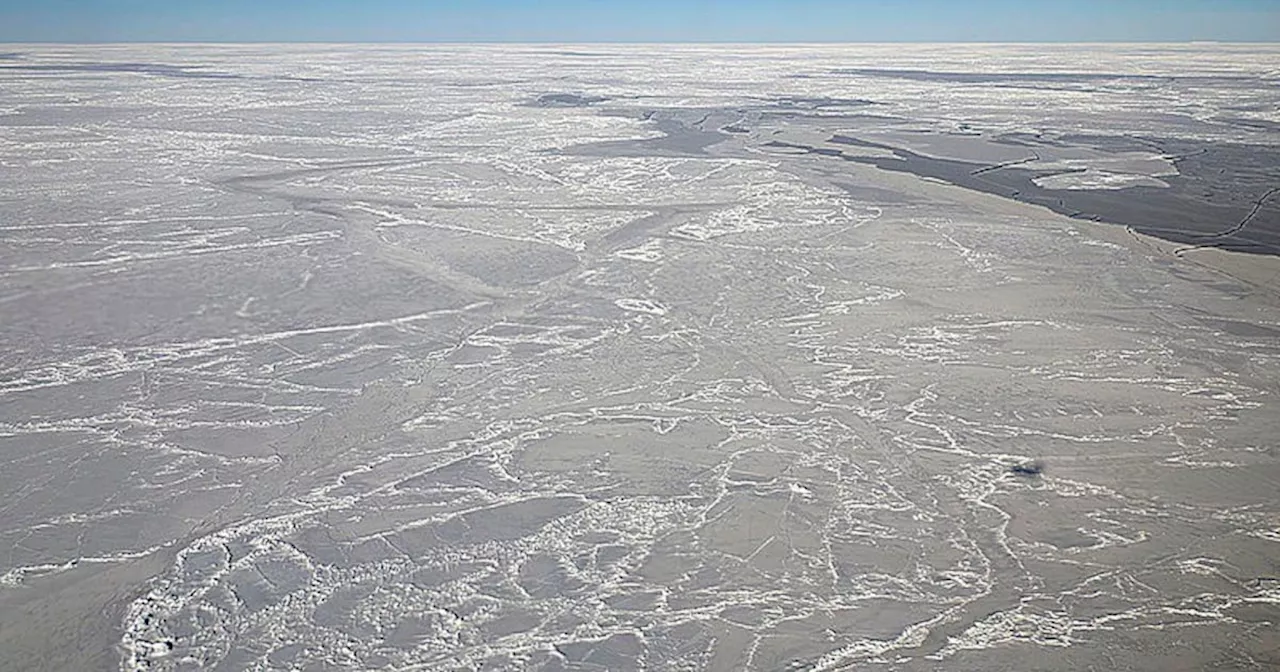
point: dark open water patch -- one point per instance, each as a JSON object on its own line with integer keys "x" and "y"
{"x": 575, "y": 54}
{"x": 567, "y": 100}
{"x": 150, "y": 69}
{"x": 820, "y": 102}
{"x": 682, "y": 135}
{"x": 1241, "y": 329}
{"x": 951, "y": 77}
{"x": 154, "y": 69}
{"x": 1224, "y": 195}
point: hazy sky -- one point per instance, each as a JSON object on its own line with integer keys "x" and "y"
{"x": 639, "y": 20}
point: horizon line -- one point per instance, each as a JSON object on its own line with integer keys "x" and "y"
{"x": 641, "y": 42}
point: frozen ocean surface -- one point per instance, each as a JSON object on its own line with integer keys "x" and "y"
{"x": 639, "y": 358}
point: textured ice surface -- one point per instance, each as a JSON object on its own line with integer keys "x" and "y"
{"x": 1097, "y": 179}
{"x": 509, "y": 358}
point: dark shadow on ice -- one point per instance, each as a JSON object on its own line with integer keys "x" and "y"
{"x": 1030, "y": 469}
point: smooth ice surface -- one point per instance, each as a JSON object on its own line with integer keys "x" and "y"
{"x": 625, "y": 358}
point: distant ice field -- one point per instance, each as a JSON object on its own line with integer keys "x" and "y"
{"x": 628, "y": 357}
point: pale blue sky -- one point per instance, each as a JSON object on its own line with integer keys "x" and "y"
{"x": 639, "y": 20}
